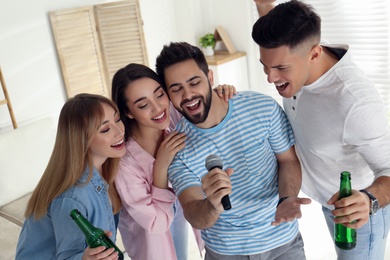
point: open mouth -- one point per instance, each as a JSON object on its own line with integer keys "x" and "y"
{"x": 281, "y": 87}
{"x": 161, "y": 117}
{"x": 118, "y": 145}
{"x": 193, "y": 105}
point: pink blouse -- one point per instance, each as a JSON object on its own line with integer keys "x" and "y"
{"x": 147, "y": 211}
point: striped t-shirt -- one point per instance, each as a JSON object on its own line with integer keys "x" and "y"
{"x": 253, "y": 131}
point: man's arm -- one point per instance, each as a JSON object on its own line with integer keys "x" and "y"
{"x": 290, "y": 179}
{"x": 372, "y": 141}
{"x": 290, "y": 174}
{"x": 380, "y": 189}
{"x": 203, "y": 212}
{"x": 264, "y": 6}
{"x": 197, "y": 210}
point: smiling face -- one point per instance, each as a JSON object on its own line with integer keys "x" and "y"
{"x": 189, "y": 90}
{"x": 148, "y": 104}
{"x": 289, "y": 71}
{"x": 108, "y": 142}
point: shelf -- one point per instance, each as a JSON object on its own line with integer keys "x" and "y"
{"x": 222, "y": 57}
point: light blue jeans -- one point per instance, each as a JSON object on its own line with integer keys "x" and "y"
{"x": 370, "y": 239}
{"x": 179, "y": 231}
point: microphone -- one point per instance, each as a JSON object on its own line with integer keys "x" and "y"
{"x": 214, "y": 161}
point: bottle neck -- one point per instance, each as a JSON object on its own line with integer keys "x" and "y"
{"x": 345, "y": 185}
{"x": 91, "y": 232}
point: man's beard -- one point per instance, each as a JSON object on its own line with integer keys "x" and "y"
{"x": 200, "y": 117}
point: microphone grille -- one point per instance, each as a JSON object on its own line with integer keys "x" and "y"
{"x": 213, "y": 161}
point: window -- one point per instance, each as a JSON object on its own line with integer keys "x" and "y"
{"x": 364, "y": 26}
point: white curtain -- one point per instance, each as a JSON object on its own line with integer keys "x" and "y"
{"x": 364, "y": 26}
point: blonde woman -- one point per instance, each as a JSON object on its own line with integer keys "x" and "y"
{"x": 80, "y": 174}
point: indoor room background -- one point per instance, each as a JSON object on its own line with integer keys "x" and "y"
{"x": 32, "y": 72}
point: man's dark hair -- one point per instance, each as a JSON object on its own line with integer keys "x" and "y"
{"x": 287, "y": 24}
{"x": 177, "y": 52}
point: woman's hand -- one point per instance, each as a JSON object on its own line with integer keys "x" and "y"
{"x": 225, "y": 91}
{"x": 172, "y": 144}
{"x": 100, "y": 253}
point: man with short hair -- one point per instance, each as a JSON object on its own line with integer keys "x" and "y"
{"x": 339, "y": 122}
{"x": 252, "y": 136}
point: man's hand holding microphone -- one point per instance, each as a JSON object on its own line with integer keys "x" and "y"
{"x": 217, "y": 187}
{"x": 216, "y": 183}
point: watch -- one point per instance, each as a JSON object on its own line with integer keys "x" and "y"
{"x": 374, "y": 202}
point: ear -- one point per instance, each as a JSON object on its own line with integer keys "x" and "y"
{"x": 210, "y": 76}
{"x": 129, "y": 115}
{"x": 315, "y": 53}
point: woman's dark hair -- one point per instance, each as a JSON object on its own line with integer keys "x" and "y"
{"x": 122, "y": 78}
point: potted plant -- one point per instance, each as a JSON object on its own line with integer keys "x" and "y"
{"x": 207, "y": 42}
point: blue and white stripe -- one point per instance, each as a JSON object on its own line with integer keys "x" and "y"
{"x": 253, "y": 131}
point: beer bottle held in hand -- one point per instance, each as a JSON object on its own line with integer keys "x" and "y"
{"x": 94, "y": 236}
{"x": 345, "y": 238}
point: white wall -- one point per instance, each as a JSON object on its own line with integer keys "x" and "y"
{"x": 237, "y": 18}
{"x": 29, "y": 60}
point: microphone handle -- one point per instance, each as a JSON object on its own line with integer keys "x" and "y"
{"x": 226, "y": 202}
{"x": 225, "y": 199}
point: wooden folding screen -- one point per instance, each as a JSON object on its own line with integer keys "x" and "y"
{"x": 94, "y": 42}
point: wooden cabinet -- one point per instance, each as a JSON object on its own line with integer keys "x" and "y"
{"x": 229, "y": 68}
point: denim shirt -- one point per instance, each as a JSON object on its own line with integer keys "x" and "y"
{"x": 56, "y": 235}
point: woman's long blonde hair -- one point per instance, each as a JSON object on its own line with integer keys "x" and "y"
{"x": 79, "y": 120}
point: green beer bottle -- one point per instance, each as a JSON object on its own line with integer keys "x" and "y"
{"x": 345, "y": 238}
{"x": 94, "y": 236}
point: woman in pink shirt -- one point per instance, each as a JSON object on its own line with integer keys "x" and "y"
{"x": 151, "y": 222}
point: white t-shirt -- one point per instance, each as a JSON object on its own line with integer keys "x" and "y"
{"x": 340, "y": 124}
